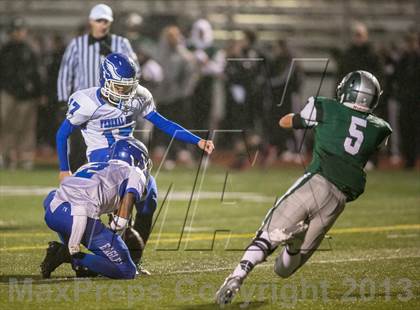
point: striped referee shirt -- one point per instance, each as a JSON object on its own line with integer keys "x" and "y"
{"x": 81, "y": 61}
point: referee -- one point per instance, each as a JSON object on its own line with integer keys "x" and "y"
{"x": 81, "y": 62}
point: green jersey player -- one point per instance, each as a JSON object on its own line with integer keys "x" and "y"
{"x": 346, "y": 135}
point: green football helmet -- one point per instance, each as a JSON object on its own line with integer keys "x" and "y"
{"x": 359, "y": 90}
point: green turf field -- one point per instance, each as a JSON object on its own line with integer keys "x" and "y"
{"x": 371, "y": 261}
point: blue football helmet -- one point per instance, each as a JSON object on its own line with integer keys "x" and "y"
{"x": 118, "y": 80}
{"x": 133, "y": 152}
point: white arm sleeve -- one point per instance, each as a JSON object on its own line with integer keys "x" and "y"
{"x": 77, "y": 231}
{"x": 136, "y": 182}
{"x": 308, "y": 113}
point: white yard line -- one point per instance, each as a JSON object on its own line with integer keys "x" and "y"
{"x": 270, "y": 265}
{"x": 228, "y": 197}
{"x": 24, "y": 190}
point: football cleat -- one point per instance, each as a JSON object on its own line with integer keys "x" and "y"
{"x": 292, "y": 236}
{"x": 228, "y": 290}
{"x": 84, "y": 272}
{"x": 57, "y": 254}
{"x": 141, "y": 271}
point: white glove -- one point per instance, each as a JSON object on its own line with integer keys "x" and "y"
{"x": 118, "y": 224}
{"x": 73, "y": 249}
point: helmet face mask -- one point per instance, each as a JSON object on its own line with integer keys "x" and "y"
{"x": 118, "y": 81}
{"x": 359, "y": 90}
{"x": 120, "y": 93}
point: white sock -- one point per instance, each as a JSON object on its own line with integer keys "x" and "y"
{"x": 253, "y": 256}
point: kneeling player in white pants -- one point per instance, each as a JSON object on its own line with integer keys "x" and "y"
{"x": 346, "y": 135}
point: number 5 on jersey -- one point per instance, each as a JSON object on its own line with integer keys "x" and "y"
{"x": 353, "y": 143}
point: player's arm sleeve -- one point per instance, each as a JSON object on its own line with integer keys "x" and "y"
{"x": 172, "y": 128}
{"x": 77, "y": 230}
{"x": 77, "y": 115}
{"x": 307, "y": 118}
{"x": 136, "y": 183}
{"x": 385, "y": 137}
{"x": 61, "y": 138}
{"x": 67, "y": 72}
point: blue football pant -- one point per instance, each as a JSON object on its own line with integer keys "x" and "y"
{"x": 110, "y": 257}
{"x": 145, "y": 210}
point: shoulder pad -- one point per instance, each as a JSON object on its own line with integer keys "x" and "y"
{"x": 144, "y": 93}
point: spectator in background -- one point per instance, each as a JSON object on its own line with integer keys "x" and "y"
{"x": 49, "y": 114}
{"x": 360, "y": 55}
{"x": 240, "y": 101}
{"x": 211, "y": 64}
{"x": 390, "y": 55}
{"x": 255, "y": 76}
{"x": 278, "y": 102}
{"x": 407, "y": 79}
{"x": 81, "y": 62}
{"x": 237, "y": 113}
{"x": 134, "y": 31}
{"x": 151, "y": 76}
{"x": 245, "y": 81}
{"x": 20, "y": 88}
{"x": 151, "y": 72}
{"x": 174, "y": 91}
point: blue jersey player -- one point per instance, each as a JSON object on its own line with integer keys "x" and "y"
{"x": 74, "y": 210}
{"x": 107, "y": 114}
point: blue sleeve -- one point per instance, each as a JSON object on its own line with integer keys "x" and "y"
{"x": 171, "y": 128}
{"x": 61, "y": 137}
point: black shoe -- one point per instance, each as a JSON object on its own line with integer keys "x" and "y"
{"x": 57, "y": 254}
{"x": 84, "y": 272}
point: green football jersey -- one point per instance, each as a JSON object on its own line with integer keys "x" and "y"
{"x": 344, "y": 141}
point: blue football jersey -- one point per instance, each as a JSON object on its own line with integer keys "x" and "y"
{"x": 102, "y": 123}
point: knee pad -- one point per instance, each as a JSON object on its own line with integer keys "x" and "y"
{"x": 262, "y": 242}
